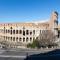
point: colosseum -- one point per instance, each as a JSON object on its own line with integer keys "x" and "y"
{"x": 23, "y": 33}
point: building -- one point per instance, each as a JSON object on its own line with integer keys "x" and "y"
{"x": 23, "y": 33}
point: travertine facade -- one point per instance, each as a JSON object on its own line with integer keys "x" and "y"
{"x": 25, "y": 32}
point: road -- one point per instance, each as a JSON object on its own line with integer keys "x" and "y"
{"x": 21, "y": 54}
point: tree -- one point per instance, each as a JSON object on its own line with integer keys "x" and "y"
{"x": 47, "y": 38}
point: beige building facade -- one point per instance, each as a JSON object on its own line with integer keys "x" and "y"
{"x": 25, "y": 32}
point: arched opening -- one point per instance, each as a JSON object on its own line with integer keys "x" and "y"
{"x": 23, "y": 39}
{"x": 10, "y": 27}
{"x": 13, "y": 31}
{"x": 23, "y": 32}
{"x": 30, "y": 33}
{"x": 16, "y": 38}
{"x": 13, "y": 38}
{"x": 20, "y": 39}
{"x": 27, "y": 32}
{"x": 27, "y": 39}
{"x": 16, "y": 31}
{"x": 33, "y": 31}
{"x": 30, "y": 38}
{"x": 20, "y": 31}
{"x": 6, "y": 30}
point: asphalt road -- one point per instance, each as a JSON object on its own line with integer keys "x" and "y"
{"x": 22, "y": 54}
{"x": 18, "y": 54}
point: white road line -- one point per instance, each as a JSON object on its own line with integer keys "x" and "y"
{"x": 12, "y": 56}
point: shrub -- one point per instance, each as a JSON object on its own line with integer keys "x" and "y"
{"x": 34, "y": 44}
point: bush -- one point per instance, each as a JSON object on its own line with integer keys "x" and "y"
{"x": 38, "y": 44}
{"x": 28, "y": 45}
{"x": 34, "y": 44}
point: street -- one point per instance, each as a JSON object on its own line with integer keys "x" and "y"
{"x": 21, "y": 54}
{"x": 18, "y": 54}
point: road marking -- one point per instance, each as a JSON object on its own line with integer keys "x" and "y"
{"x": 12, "y": 56}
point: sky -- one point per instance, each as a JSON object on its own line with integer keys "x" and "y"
{"x": 27, "y": 10}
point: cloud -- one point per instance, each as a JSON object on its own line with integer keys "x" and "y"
{"x": 38, "y": 21}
